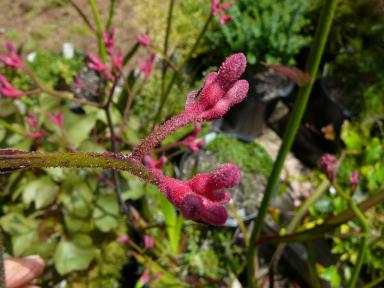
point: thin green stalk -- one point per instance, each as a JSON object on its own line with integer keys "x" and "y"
{"x": 83, "y": 16}
{"x": 165, "y": 95}
{"x": 165, "y": 46}
{"x": 99, "y": 27}
{"x": 293, "y": 125}
{"x": 363, "y": 246}
{"x": 2, "y": 276}
{"x": 375, "y": 282}
{"x": 12, "y": 160}
{"x": 312, "y": 265}
{"x": 110, "y": 15}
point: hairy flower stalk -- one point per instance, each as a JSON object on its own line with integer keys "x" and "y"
{"x": 201, "y": 198}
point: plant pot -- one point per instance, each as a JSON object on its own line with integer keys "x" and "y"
{"x": 248, "y": 118}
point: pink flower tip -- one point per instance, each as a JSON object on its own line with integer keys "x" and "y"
{"x": 143, "y": 39}
{"x": 11, "y": 60}
{"x": 232, "y": 68}
{"x": 354, "y": 179}
{"x": 226, "y": 176}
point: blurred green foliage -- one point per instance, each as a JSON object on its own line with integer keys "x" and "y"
{"x": 264, "y": 30}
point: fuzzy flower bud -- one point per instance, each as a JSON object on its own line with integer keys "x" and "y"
{"x": 155, "y": 164}
{"x": 147, "y": 65}
{"x": 203, "y": 197}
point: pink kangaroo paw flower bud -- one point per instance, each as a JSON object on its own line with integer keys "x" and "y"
{"x": 225, "y": 176}
{"x": 144, "y": 40}
{"x": 192, "y": 206}
{"x": 215, "y": 9}
{"x": 231, "y": 70}
{"x": 214, "y": 213}
{"x": 95, "y": 63}
{"x": 57, "y": 119}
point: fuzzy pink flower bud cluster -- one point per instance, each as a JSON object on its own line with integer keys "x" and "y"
{"x": 7, "y": 89}
{"x": 218, "y": 8}
{"x": 144, "y": 40}
{"x": 11, "y": 60}
{"x": 203, "y": 197}
{"x": 328, "y": 164}
{"x": 191, "y": 142}
{"x": 220, "y": 91}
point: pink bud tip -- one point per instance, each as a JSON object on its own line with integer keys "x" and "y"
{"x": 226, "y": 176}
{"x": 192, "y": 206}
{"x": 231, "y": 70}
{"x": 215, "y": 214}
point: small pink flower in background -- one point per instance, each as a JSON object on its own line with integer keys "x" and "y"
{"x": 155, "y": 164}
{"x": 143, "y": 39}
{"x": 78, "y": 84}
{"x": 117, "y": 60}
{"x": 328, "y": 164}
{"x": 224, "y": 19}
{"x": 191, "y": 142}
{"x": 32, "y": 121}
{"x": 146, "y": 67}
{"x": 123, "y": 239}
{"x": 34, "y": 131}
{"x": 95, "y": 63}
{"x": 11, "y": 60}
{"x": 354, "y": 180}
{"x": 7, "y": 89}
{"x": 57, "y": 119}
{"x": 149, "y": 241}
{"x": 146, "y": 277}
{"x": 218, "y": 8}
{"x": 109, "y": 40}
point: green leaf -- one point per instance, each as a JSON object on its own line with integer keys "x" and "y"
{"x": 374, "y": 150}
{"x": 331, "y": 275}
{"x": 74, "y": 255}
{"x": 106, "y": 213}
{"x": 136, "y": 187}
{"x": 351, "y": 137}
{"x": 80, "y": 127}
{"x": 41, "y": 191}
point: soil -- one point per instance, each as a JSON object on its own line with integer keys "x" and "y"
{"x": 47, "y": 24}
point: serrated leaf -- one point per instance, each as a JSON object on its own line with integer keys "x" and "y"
{"x": 70, "y": 256}
{"x": 106, "y": 213}
{"x": 41, "y": 191}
